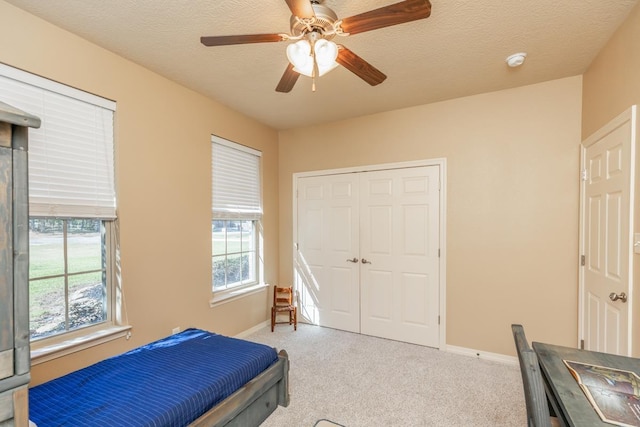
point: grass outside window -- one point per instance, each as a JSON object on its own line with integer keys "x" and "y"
{"x": 234, "y": 262}
{"x": 67, "y": 275}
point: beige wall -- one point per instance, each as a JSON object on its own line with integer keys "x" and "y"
{"x": 512, "y": 214}
{"x": 512, "y": 211}
{"x": 611, "y": 85}
{"x": 163, "y": 185}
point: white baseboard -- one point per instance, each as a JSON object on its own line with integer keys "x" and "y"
{"x": 478, "y": 354}
{"x": 256, "y": 328}
{"x": 469, "y": 352}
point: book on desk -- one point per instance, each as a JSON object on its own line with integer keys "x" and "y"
{"x": 613, "y": 393}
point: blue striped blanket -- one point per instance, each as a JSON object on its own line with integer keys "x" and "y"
{"x": 170, "y": 382}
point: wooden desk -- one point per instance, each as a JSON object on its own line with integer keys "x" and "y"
{"x": 565, "y": 395}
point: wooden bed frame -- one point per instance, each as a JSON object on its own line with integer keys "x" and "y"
{"x": 255, "y": 401}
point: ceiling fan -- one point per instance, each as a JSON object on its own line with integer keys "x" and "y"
{"x": 314, "y": 25}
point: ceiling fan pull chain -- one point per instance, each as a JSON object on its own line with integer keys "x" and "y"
{"x": 316, "y": 72}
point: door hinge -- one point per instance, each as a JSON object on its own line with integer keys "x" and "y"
{"x": 583, "y": 174}
{"x": 581, "y": 344}
{"x": 583, "y": 260}
{"x": 438, "y": 319}
{"x": 438, "y": 253}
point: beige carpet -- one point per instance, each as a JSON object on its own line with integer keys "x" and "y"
{"x": 326, "y": 423}
{"x": 360, "y": 381}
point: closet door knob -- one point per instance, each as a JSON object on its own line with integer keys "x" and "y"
{"x": 354, "y": 260}
{"x": 364, "y": 261}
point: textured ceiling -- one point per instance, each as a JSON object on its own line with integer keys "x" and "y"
{"x": 460, "y": 50}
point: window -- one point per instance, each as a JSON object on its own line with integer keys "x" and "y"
{"x": 68, "y": 274}
{"x": 236, "y": 212}
{"x": 72, "y": 208}
{"x": 234, "y": 253}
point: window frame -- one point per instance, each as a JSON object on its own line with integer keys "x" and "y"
{"x": 255, "y": 217}
{"x": 48, "y": 348}
{"x": 106, "y": 230}
{"x": 252, "y": 266}
{"x": 116, "y": 326}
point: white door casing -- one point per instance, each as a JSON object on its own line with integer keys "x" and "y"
{"x": 606, "y": 211}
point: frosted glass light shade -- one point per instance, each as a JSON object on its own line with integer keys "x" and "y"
{"x": 299, "y": 55}
{"x": 326, "y": 52}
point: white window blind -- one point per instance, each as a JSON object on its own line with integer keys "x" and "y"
{"x": 236, "y": 180}
{"x": 71, "y": 155}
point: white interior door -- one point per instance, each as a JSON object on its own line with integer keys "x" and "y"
{"x": 399, "y": 244}
{"x": 328, "y": 251}
{"x": 608, "y": 173}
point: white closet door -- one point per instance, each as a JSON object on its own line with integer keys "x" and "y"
{"x": 327, "y": 257}
{"x": 367, "y": 255}
{"x": 399, "y": 244}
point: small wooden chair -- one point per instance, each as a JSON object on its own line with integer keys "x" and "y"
{"x": 283, "y": 302}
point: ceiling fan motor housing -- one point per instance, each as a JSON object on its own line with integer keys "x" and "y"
{"x": 323, "y": 22}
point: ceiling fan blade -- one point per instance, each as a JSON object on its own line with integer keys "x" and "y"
{"x": 301, "y": 8}
{"x": 288, "y": 80}
{"x": 242, "y": 39}
{"x": 359, "y": 66}
{"x": 398, "y": 13}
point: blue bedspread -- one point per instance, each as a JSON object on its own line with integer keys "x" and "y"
{"x": 170, "y": 382}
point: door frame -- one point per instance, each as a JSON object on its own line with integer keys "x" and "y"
{"x": 626, "y": 116}
{"x": 442, "y": 163}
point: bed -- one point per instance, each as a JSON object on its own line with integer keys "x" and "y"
{"x": 193, "y": 378}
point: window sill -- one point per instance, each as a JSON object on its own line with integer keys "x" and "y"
{"x": 74, "y": 342}
{"x": 223, "y": 297}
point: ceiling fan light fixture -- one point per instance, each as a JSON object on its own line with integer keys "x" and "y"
{"x": 308, "y": 69}
{"x": 314, "y": 25}
{"x": 299, "y": 55}
{"x": 326, "y": 52}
